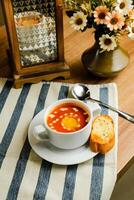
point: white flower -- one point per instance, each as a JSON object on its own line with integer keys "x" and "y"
{"x": 107, "y": 43}
{"x": 123, "y": 6}
{"x": 78, "y": 21}
{"x": 114, "y": 20}
{"x": 131, "y": 31}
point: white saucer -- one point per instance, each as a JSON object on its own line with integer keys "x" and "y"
{"x": 53, "y": 154}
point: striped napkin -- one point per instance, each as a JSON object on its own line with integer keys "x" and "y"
{"x": 23, "y": 174}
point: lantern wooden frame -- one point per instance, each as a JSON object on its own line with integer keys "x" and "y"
{"x": 35, "y": 73}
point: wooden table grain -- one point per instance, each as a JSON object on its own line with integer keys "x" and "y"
{"x": 75, "y": 43}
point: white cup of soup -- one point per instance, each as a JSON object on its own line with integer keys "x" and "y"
{"x": 66, "y": 123}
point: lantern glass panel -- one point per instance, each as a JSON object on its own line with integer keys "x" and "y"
{"x": 35, "y": 22}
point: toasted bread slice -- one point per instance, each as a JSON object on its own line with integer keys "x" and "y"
{"x": 102, "y": 136}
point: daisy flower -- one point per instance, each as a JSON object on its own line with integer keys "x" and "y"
{"x": 114, "y": 21}
{"x": 78, "y": 21}
{"x": 123, "y": 6}
{"x": 107, "y": 43}
{"x": 131, "y": 31}
{"x": 100, "y": 14}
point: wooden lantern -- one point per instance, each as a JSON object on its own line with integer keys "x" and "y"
{"x": 35, "y": 34}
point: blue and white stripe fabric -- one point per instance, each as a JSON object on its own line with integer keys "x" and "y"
{"x": 23, "y": 174}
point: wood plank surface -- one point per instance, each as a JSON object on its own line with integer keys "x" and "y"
{"x": 75, "y": 44}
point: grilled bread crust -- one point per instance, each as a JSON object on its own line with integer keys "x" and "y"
{"x": 102, "y": 137}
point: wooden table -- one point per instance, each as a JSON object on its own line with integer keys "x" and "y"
{"x": 75, "y": 44}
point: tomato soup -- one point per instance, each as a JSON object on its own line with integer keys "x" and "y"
{"x": 67, "y": 118}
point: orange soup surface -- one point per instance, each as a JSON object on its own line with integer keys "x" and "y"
{"x": 67, "y": 118}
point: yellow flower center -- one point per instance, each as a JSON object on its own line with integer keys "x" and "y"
{"x": 79, "y": 21}
{"x": 122, "y": 5}
{"x": 101, "y": 15}
{"x": 107, "y": 41}
{"x": 114, "y": 21}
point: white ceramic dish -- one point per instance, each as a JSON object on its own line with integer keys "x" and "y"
{"x": 55, "y": 155}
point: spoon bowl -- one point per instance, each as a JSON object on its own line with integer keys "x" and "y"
{"x": 81, "y": 92}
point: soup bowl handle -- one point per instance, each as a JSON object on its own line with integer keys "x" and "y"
{"x": 96, "y": 109}
{"x": 40, "y": 133}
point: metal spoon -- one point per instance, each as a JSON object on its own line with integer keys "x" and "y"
{"x": 81, "y": 92}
